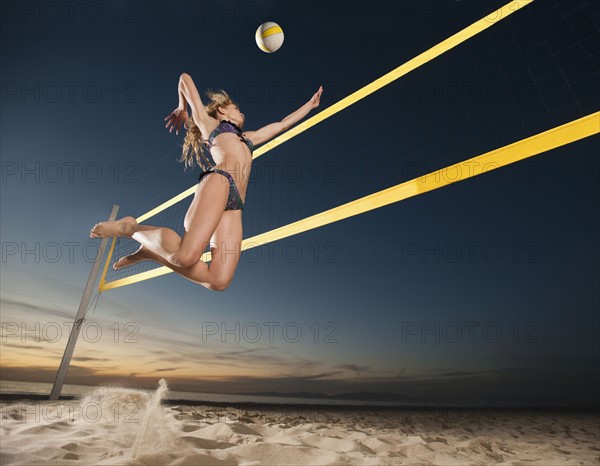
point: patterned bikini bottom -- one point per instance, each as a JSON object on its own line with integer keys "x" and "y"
{"x": 234, "y": 201}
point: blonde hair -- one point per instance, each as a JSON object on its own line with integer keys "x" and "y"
{"x": 193, "y": 143}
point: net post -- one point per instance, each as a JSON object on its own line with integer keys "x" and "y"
{"x": 83, "y": 307}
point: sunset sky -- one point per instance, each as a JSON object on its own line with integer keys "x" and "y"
{"x": 484, "y": 289}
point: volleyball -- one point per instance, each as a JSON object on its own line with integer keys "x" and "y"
{"x": 269, "y": 37}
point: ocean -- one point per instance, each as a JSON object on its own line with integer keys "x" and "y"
{"x": 34, "y": 388}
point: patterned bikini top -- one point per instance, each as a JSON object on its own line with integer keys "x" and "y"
{"x": 226, "y": 126}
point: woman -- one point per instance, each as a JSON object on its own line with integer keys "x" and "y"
{"x": 215, "y": 215}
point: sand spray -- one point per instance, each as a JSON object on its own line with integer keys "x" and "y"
{"x": 152, "y": 406}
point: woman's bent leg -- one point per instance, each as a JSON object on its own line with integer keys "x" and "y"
{"x": 226, "y": 245}
{"x": 198, "y": 273}
{"x": 226, "y": 253}
{"x": 201, "y": 220}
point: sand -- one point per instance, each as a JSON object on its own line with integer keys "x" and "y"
{"x": 102, "y": 428}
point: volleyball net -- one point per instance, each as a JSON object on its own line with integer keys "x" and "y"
{"x": 170, "y": 212}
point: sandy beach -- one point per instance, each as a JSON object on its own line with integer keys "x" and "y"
{"x": 113, "y": 427}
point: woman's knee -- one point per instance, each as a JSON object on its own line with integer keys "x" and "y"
{"x": 217, "y": 288}
{"x": 184, "y": 259}
{"x": 220, "y": 284}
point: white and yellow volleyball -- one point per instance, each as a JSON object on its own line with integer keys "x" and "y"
{"x": 269, "y": 37}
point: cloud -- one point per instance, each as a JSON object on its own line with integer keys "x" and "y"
{"x": 355, "y": 368}
{"x": 25, "y": 347}
{"x": 88, "y": 358}
{"x": 54, "y": 312}
{"x": 269, "y": 358}
{"x": 321, "y": 375}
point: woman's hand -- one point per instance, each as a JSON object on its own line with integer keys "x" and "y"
{"x": 315, "y": 100}
{"x": 176, "y": 117}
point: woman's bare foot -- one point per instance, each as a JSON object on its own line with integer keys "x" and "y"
{"x": 123, "y": 227}
{"x": 142, "y": 254}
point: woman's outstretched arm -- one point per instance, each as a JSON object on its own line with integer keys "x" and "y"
{"x": 271, "y": 130}
{"x": 188, "y": 94}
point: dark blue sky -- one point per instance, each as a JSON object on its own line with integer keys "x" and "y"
{"x": 484, "y": 289}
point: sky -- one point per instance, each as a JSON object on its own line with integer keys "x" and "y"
{"x": 486, "y": 289}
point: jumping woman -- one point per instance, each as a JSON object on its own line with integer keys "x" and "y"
{"x": 215, "y": 215}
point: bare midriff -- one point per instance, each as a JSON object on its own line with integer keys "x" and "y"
{"x": 233, "y": 156}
